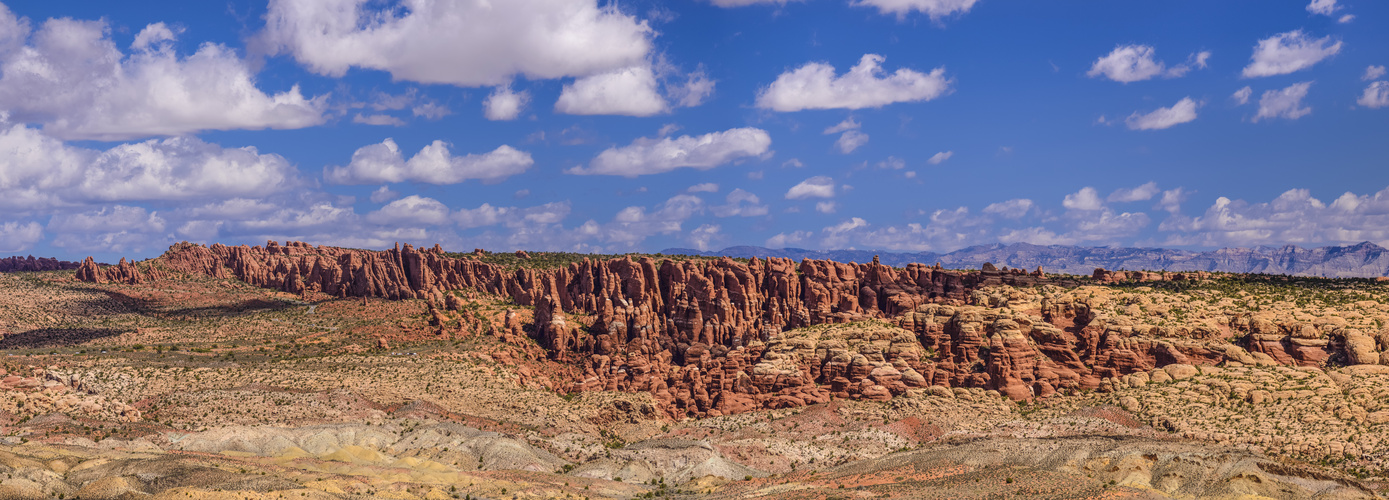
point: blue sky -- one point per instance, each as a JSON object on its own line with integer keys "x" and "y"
{"x": 572, "y": 125}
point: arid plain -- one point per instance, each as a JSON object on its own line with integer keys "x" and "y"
{"x": 297, "y": 371}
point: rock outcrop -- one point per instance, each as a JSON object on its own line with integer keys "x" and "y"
{"x": 709, "y": 337}
{"x": 31, "y": 264}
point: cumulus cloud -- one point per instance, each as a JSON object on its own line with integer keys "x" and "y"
{"x": 936, "y": 9}
{"x": 1172, "y": 200}
{"x": 410, "y": 210}
{"x": 1288, "y": 52}
{"x": 378, "y": 120}
{"x": 740, "y": 203}
{"x": 383, "y": 194}
{"x": 1011, "y": 209}
{"x": 826, "y": 207}
{"x": 1372, "y": 72}
{"x": 1323, "y": 7}
{"x": 745, "y": 3}
{"x": 703, "y": 236}
{"x": 850, "y": 140}
{"x": 1085, "y": 199}
{"x": 514, "y": 217}
{"x": 1376, "y": 95}
{"x": 504, "y": 104}
{"x": 434, "y": 164}
{"x": 1286, "y": 103}
{"x": 18, "y": 237}
{"x": 1294, "y": 217}
{"x": 1133, "y": 63}
{"x": 939, "y": 158}
{"x": 1241, "y": 96}
{"x": 816, "y": 86}
{"x": 696, "y": 88}
{"x": 37, "y": 171}
{"x": 652, "y": 156}
{"x": 1182, "y": 112}
{"x": 847, "y": 124}
{"x": 70, "y": 77}
{"x": 1141, "y": 193}
{"x": 630, "y": 91}
{"x": 467, "y": 44}
{"x": 704, "y": 187}
{"x": 119, "y": 228}
{"x": 815, "y": 187}
{"x": 634, "y": 224}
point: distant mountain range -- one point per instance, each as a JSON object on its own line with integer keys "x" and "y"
{"x": 1361, "y": 260}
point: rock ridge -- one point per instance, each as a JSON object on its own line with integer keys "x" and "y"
{"x": 718, "y": 336}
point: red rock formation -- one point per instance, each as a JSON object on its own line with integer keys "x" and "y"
{"x": 1104, "y": 276}
{"x": 705, "y": 337}
{"x": 125, "y": 272}
{"x": 19, "y": 264}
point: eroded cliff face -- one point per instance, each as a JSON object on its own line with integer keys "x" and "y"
{"x": 712, "y": 337}
{"x": 19, "y": 264}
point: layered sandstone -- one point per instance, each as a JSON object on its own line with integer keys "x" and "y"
{"x": 31, "y": 264}
{"x": 709, "y": 337}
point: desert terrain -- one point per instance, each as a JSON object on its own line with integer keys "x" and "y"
{"x": 296, "y": 371}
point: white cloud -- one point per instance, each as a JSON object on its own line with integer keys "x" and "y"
{"x": 740, "y": 203}
{"x": 430, "y": 110}
{"x": 826, "y": 207}
{"x": 71, "y": 78}
{"x": 1288, "y": 52}
{"x": 1182, "y": 112}
{"x": 37, "y": 171}
{"x": 1241, "y": 96}
{"x": 526, "y": 219}
{"x": 1295, "y": 217}
{"x": 850, "y": 140}
{"x": 815, "y": 86}
{"x": 1172, "y": 200}
{"x": 434, "y": 164}
{"x": 1323, "y": 7}
{"x": 1376, "y": 95}
{"x": 1085, "y": 199}
{"x": 815, "y": 187}
{"x": 848, "y": 124}
{"x": 118, "y": 228}
{"x": 934, "y": 8}
{"x": 627, "y": 91}
{"x": 634, "y": 224}
{"x": 794, "y": 162}
{"x": 781, "y": 240}
{"x": 1141, "y": 193}
{"x": 704, "y": 235}
{"x": 503, "y": 104}
{"x": 410, "y": 210}
{"x": 1286, "y": 103}
{"x": 1133, "y": 63}
{"x": 383, "y": 194}
{"x": 17, "y": 237}
{"x": 1372, "y": 72}
{"x": 378, "y": 120}
{"x": 467, "y": 44}
{"x": 697, "y": 87}
{"x": 1346, "y": 19}
{"x": 939, "y": 158}
{"x": 744, "y": 3}
{"x": 652, "y": 156}
{"x": 705, "y": 187}
{"x": 892, "y": 163}
{"x": 1011, "y": 209}
{"x": 153, "y": 34}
